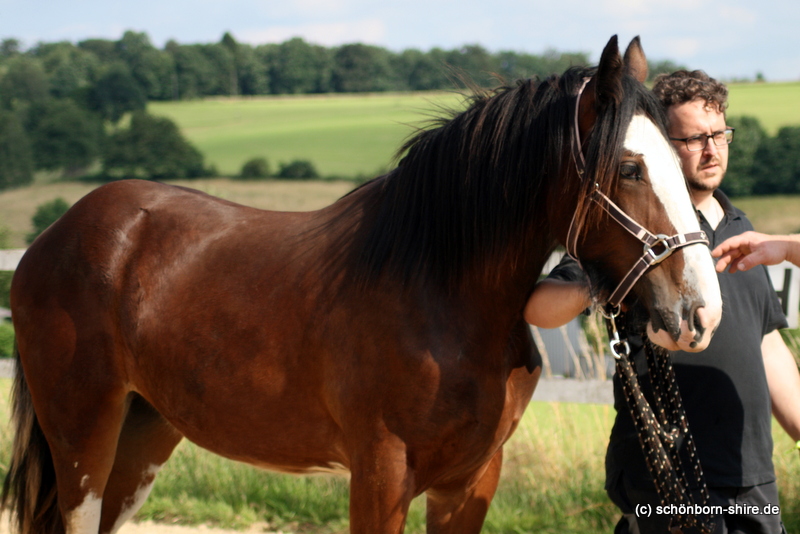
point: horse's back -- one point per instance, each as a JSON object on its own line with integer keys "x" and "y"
{"x": 130, "y": 222}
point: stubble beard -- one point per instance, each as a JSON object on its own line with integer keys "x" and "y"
{"x": 698, "y": 184}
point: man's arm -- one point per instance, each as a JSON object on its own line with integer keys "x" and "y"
{"x": 783, "y": 379}
{"x": 554, "y": 303}
{"x": 745, "y": 251}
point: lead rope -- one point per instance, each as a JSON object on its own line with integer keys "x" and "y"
{"x": 662, "y": 431}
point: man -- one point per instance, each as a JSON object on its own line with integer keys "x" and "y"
{"x": 729, "y": 389}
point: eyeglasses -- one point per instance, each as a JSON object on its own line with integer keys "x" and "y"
{"x": 699, "y": 142}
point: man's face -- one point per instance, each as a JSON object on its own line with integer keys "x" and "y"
{"x": 703, "y": 169}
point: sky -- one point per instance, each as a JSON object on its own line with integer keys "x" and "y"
{"x": 727, "y": 38}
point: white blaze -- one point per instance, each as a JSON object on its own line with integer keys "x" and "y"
{"x": 668, "y": 183}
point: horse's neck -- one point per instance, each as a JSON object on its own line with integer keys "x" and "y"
{"x": 508, "y": 276}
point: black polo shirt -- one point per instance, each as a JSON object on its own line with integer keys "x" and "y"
{"x": 724, "y": 388}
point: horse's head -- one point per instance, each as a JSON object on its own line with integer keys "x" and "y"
{"x": 633, "y": 230}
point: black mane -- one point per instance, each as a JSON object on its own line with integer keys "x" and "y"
{"x": 473, "y": 186}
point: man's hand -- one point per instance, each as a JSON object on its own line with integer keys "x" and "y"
{"x": 745, "y": 251}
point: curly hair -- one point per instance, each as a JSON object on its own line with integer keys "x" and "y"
{"x": 684, "y": 86}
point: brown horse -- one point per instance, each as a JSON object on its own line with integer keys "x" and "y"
{"x": 382, "y": 335}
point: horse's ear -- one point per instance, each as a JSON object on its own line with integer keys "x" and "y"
{"x": 604, "y": 87}
{"x": 608, "y": 86}
{"x": 635, "y": 61}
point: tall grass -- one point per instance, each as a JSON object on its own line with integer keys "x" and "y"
{"x": 198, "y": 487}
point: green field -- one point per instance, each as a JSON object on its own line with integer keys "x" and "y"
{"x": 341, "y": 134}
{"x": 358, "y": 135}
{"x": 774, "y": 104}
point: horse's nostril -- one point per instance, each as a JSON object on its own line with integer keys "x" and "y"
{"x": 697, "y": 322}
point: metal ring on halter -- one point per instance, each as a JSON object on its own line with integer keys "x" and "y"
{"x": 658, "y": 257}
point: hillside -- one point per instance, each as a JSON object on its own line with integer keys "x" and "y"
{"x": 354, "y": 135}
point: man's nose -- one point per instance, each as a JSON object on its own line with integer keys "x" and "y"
{"x": 711, "y": 148}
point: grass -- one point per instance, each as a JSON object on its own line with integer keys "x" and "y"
{"x": 552, "y": 482}
{"x": 341, "y": 134}
{"x": 773, "y": 104}
{"x": 772, "y": 215}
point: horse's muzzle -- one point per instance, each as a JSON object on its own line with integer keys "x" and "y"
{"x": 691, "y": 331}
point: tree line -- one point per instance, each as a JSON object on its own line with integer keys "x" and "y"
{"x": 230, "y": 68}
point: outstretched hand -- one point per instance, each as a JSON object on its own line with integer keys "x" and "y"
{"x": 745, "y": 251}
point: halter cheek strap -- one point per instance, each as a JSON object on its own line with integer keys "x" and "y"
{"x": 657, "y": 247}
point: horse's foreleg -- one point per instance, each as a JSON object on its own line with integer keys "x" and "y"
{"x": 462, "y": 508}
{"x": 381, "y": 488}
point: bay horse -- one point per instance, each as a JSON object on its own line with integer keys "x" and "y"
{"x": 382, "y": 334}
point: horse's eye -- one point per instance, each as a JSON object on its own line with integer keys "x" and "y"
{"x": 630, "y": 171}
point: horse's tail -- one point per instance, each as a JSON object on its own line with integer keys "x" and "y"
{"x": 30, "y": 484}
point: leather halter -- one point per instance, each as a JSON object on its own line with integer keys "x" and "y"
{"x": 657, "y": 247}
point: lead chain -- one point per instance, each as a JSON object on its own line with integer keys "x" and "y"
{"x": 664, "y": 432}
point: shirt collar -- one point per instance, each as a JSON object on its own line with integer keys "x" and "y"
{"x": 730, "y": 210}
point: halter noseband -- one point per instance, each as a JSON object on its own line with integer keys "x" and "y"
{"x": 657, "y": 247}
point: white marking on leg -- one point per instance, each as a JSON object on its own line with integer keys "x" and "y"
{"x": 133, "y": 502}
{"x": 85, "y": 519}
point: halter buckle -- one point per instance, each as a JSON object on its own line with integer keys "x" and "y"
{"x": 658, "y": 257}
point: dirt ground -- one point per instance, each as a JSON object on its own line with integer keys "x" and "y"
{"x": 148, "y": 527}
